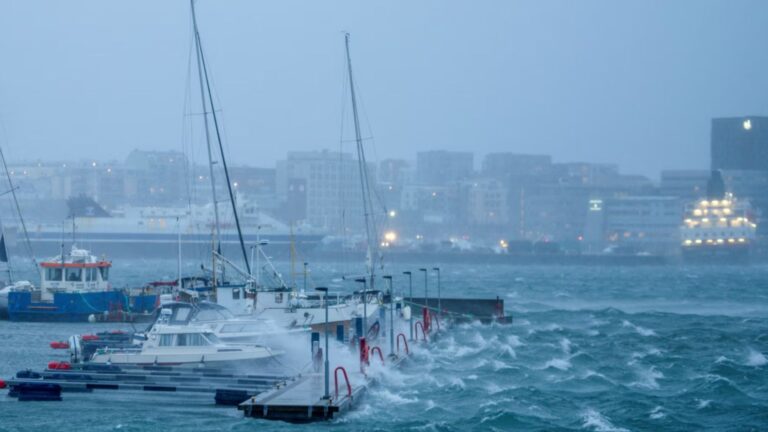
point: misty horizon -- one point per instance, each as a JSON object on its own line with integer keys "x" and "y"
{"x": 523, "y": 78}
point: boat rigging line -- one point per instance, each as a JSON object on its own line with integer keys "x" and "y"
{"x": 203, "y": 73}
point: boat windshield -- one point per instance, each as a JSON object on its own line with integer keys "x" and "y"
{"x": 213, "y": 314}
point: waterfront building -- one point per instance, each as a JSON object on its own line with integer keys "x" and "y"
{"x": 685, "y": 184}
{"x": 331, "y": 186}
{"x": 441, "y": 167}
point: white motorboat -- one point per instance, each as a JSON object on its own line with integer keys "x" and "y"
{"x": 285, "y": 308}
{"x": 227, "y": 327}
{"x": 177, "y": 345}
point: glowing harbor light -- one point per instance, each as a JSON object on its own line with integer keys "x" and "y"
{"x": 747, "y": 124}
{"x": 503, "y": 243}
{"x": 392, "y": 213}
{"x": 390, "y": 236}
{"x": 688, "y": 242}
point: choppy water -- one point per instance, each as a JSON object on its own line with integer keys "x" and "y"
{"x": 611, "y": 349}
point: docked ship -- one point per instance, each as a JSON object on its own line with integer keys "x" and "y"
{"x": 75, "y": 287}
{"x": 720, "y": 228}
{"x": 157, "y": 231}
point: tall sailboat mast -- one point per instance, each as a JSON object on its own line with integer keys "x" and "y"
{"x": 203, "y": 72}
{"x": 211, "y": 172}
{"x": 370, "y": 222}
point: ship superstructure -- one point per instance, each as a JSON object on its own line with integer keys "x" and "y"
{"x": 720, "y": 225}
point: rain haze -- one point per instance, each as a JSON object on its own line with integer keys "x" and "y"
{"x": 634, "y": 83}
{"x": 491, "y": 215}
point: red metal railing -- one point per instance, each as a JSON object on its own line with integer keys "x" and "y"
{"x": 405, "y": 342}
{"x": 346, "y": 378}
{"x": 416, "y": 331}
{"x": 381, "y": 355}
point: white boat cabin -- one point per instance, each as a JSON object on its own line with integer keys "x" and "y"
{"x": 79, "y": 271}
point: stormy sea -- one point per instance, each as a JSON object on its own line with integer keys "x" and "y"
{"x": 587, "y": 349}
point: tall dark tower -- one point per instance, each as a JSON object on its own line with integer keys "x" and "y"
{"x": 740, "y": 143}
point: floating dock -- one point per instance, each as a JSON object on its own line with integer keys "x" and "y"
{"x": 289, "y": 397}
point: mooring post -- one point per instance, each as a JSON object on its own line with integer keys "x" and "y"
{"x": 410, "y": 300}
{"x": 327, "y": 394}
{"x": 391, "y": 317}
{"x": 439, "y": 298}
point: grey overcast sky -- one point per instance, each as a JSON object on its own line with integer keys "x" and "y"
{"x": 629, "y": 82}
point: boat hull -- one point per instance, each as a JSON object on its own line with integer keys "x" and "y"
{"x": 730, "y": 254}
{"x": 3, "y": 305}
{"x": 220, "y": 357}
{"x": 78, "y": 307}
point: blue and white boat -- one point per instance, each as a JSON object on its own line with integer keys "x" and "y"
{"x": 75, "y": 287}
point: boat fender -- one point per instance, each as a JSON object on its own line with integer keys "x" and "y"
{"x": 3, "y": 385}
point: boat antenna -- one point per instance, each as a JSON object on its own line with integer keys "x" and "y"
{"x": 18, "y": 208}
{"x": 201, "y": 64}
{"x": 370, "y": 222}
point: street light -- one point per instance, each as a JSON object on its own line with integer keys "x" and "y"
{"x": 426, "y": 289}
{"x": 410, "y": 300}
{"x": 391, "y": 317}
{"x": 439, "y": 299}
{"x": 365, "y": 306}
{"x": 327, "y": 395}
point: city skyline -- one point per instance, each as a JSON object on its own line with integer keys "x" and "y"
{"x": 479, "y": 76}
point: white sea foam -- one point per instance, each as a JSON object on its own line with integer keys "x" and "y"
{"x": 642, "y": 331}
{"x": 590, "y": 373}
{"x": 500, "y": 365}
{"x": 565, "y": 344}
{"x": 472, "y": 377}
{"x": 493, "y": 388}
{"x": 722, "y": 359}
{"x": 464, "y": 351}
{"x": 514, "y": 341}
{"x": 394, "y": 398}
{"x": 513, "y": 294}
{"x": 657, "y": 413}
{"x": 756, "y": 358}
{"x": 506, "y": 349}
{"x": 430, "y": 404}
{"x": 647, "y": 378}
{"x": 598, "y": 422}
{"x": 703, "y": 403}
{"x": 558, "y": 363}
{"x": 492, "y": 403}
{"x": 458, "y": 383}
